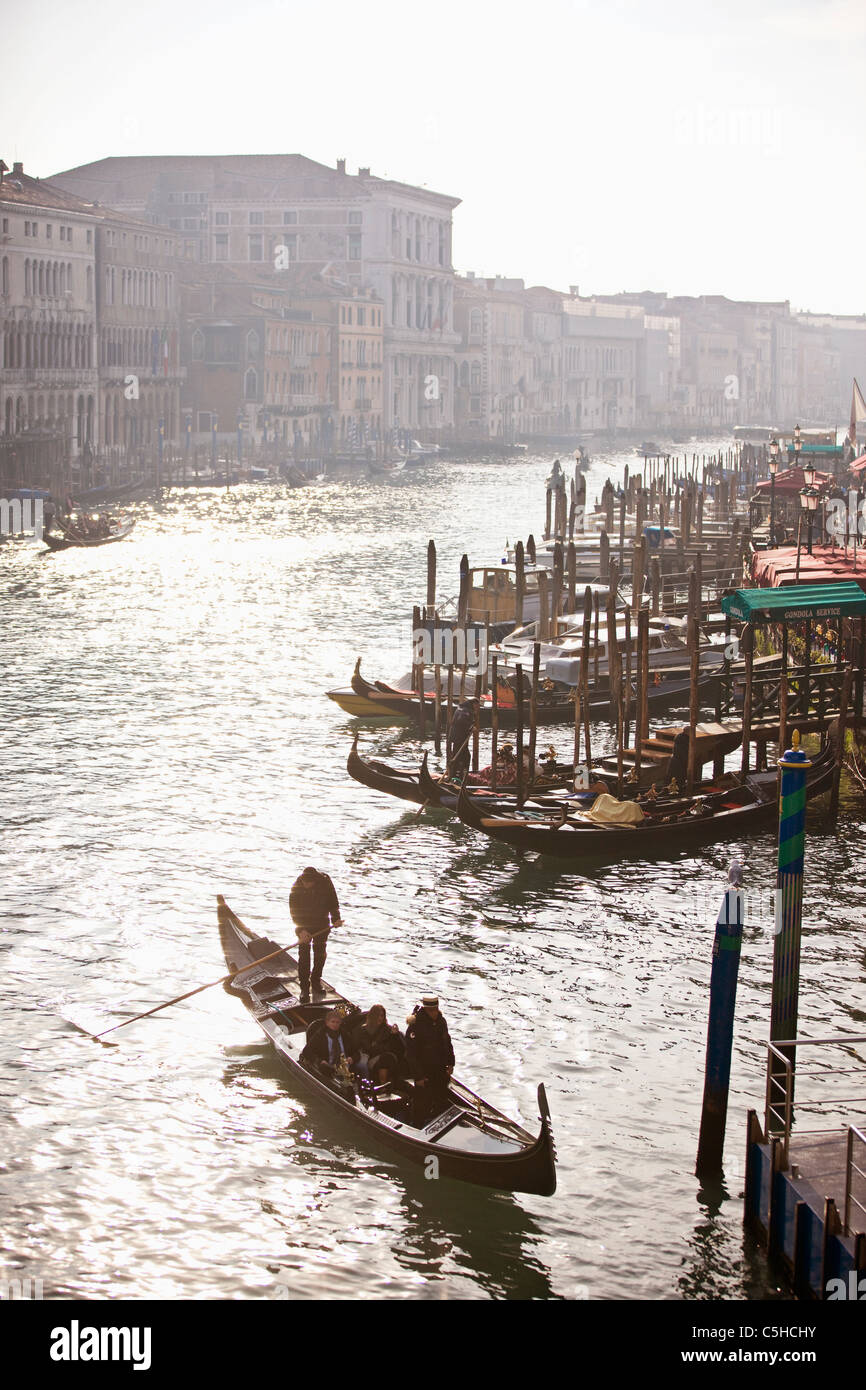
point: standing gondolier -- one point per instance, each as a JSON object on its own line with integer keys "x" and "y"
{"x": 315, "y": 910}
{"x": 459, "y": 734}
{"x": 430, "y": 1055}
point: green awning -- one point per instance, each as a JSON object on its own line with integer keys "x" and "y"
{"x": 795, "y": 602}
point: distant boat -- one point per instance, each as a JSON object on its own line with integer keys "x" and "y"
{"x": 649, "y": 449}
{"x": 68, "y": 539}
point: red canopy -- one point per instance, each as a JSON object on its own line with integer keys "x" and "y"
{"x": 791, "y": 480}
{"x": 859, "y": 465}
{"x": 827, "y": 564}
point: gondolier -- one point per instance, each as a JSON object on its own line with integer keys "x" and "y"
{"x": 459, "y": 735}
{"x": 430, "y": 1055}
{"x": 314, "y": 910}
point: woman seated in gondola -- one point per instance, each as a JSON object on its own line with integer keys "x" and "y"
{"x": 376, "y": 1046}
{"x": 326, "y": 1045}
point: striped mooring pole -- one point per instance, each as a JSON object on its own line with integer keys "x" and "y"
{"x": 793, "y": 770}
{"x": 720, "y": 1027}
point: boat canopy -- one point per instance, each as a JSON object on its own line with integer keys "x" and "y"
{"x": 795, "y": 602}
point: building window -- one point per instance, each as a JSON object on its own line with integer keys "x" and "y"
{"x": 289, "y": 218}
{"x": 354, "y": 246}
{"x": 251, "y": 384}
{"x": 356, "y": 218}
{"x": 198, "y": 347}
{"x": 257, "y": 252}
{"x": 90, "y": 236}
{"x": 252, "y": 343}
{"x": 257, "y": 219}
{"x": 222, "y": 219}
{"x": 221, "y": 247}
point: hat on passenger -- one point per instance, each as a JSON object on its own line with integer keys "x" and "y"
{"x": 430, "y": 999}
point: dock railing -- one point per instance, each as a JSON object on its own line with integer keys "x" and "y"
{"x": 826, "y": 1101}
{"x": 855, "y": 1180}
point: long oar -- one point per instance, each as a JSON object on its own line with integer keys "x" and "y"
{"x": 233, "y": 974}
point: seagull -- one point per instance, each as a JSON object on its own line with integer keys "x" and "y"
{"x": 735, "y": 873}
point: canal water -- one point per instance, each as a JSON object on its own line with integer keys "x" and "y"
{"x": 165, "y": 737}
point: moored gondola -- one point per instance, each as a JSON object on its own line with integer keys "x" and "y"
{"x": 662, "y": 830}
{"x": 378, "y": 700}
{"x": 471, "y": 1140}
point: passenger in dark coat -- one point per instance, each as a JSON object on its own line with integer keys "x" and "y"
{"x": 376, "y": 1046}
{"x": 326, "y": 1043}
{"x": 459, "y": 735}
{"x": 430, "y": 1056}
{"x": 315, "y": 910}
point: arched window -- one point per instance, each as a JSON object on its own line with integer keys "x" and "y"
{"x": 89, "y": 284}
{"x": 27, "y": 279}
{"x": 476, "y": 376}
{"x": 9, "y": 415}
{"x": 198, "y": 346}
{"x": 475, "y": 322}
{"x": 4, "y": 280}
{"x": 252, "y": 343}
{"x": 251, "y": 384}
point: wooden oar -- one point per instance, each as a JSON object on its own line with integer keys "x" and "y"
{"x": 233, "y": 974}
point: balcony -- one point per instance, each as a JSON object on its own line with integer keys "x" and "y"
{"x": 50, "y": 377}
{"x": 364, "y": 403}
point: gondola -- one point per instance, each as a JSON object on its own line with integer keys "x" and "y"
{"x": 68, "y": 542}
{"x": 377, "y": 700}
{"x": 470, "y": 1141}
{"x": 424, "y": 789}
{"x": 718, "y": 815}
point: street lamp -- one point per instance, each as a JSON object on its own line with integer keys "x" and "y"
{"x": 809, "y": 471}
{"x": 774, "y": 468}
{"x": 809, "y": 498}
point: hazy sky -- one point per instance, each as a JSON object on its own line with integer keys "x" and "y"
{"x": 679, "y": 145}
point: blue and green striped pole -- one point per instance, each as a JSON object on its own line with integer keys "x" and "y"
{"x": 793, "y": 771}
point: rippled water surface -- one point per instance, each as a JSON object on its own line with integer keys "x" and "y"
{"x": 165, "y": 737}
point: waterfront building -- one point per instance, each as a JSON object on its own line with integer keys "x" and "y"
{"x": 277, "y": 210}
{"x": 140, "y": 372}
{"x": 49, "y": 424}
{"x": 600, "y": 351}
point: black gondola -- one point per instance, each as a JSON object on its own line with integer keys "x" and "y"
{"x": 68, "y": 540}
{"x": 406, "y": 704}
{"x": 424, "y": 789}
{"x": 471, "y": 1140}
{"x": 733, "y": 811}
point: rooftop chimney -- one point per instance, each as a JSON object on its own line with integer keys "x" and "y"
{"x": 18, "y": 167}
{"x": 341, "y": 166}
{"x": 363, "y": 173}
{"x": 574, "y": 290}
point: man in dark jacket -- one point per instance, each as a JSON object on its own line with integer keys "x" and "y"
{"x": 462, "y": 724}
{"x": 430, "y": 1056}
{"x": 314, "y": 908}
{"x": 376, "y": 1046}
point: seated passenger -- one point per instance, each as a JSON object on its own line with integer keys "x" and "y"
{"x": 377, "y": 1049}
{"x": 325, "y": 1045}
